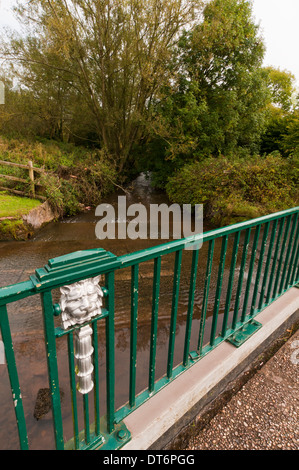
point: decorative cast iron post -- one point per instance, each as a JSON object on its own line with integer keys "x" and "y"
{"x": 79, "y": 303}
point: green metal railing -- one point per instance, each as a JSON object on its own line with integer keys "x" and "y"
{"x": 267, "y": 253}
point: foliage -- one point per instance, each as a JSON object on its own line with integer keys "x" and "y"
{"x": 218, "y": 102}
{"x": 282, "y": 133}
{"x": 74, "y": 176}
{"x": 281, "y": 84}
{"x": 239, "y": 189}
{"x": 101, "y": 89}
{"x": 290, "y": 138}
{"x": 100, "y": 60}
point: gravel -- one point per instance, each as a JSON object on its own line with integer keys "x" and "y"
{"x": 262, "y": 415}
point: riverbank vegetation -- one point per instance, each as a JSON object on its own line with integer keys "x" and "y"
{"x": 74, "y": 176}
{"x": 98, "y": 91}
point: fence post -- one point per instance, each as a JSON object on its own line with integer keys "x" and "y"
{"x": 31, "y": 176}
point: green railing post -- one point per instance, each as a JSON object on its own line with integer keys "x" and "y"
{"x": 154, "y": 323}
{"x": 70, "y": 339}
{"x": 250, "y": 272}
{"x": 274, "y": 263}
{"x": 96, "y": 378}
{"x": 174, "y": 310}
{"x": 13, "y": 377}
{"x": 110, "y": 355}
{"x": 230, "y": 282}
{"x": 259, "y": 268}
{"x": 218, "y": 289}
{"x": 48, "y": 315}
{"x": 241, "y": 277}
{"x": 284, "y": 243}
{"x": 133, "y": 339}
{"x": 285, "y": 267}
{"x": 190, "y": 305}
{"x": 296, "y": 259}
{"x": 269, "y": 255}
{"x": 86, "y": 418}
{"x": 205, "y": 295}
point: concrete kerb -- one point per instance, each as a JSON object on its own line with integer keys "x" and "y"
{"x": 158, "y": 421}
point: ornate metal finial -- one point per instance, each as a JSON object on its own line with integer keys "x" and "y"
{"x": 79, "y": 303}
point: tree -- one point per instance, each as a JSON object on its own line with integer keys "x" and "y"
{"x": 281, "y": 84}
{"x": 219, "y": 101}
{"x": 112, "y": 54}
{"x": 280, "y": 133}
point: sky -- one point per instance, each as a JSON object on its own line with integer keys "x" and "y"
{"x": 278, "y": 20}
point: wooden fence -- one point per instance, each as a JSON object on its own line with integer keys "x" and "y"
{"x": 33, "y": 183}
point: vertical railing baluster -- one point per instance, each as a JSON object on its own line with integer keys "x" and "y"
{"x": 296, "y": 261}
{"x": 278, "y": 272}
{"x": 297, "y": 275}
{"x": 190, "y": 305}
{"x": 241, "y": 276}
{"x": 50, "y": 341}
{"x": 293, "y": 258}
{"x": 96, "y": 378}
{"x": 205, "y": 296}
{"x": 218, "y": 289}
{"x": 133, "y": 338}
{"x": 268, "y": 261}
{"x": 250, "y": 271}
{"x": 154, "y": 323}
{"x": 230, "y": 282}
{"x": 86, "y": 418}
{"x": 289, "y": 246}
{"x": 13, "y": 377}
{"x": 259, "y": 267}
{"x": 174, "y": 309}
{"x": 274, "y": 263}
{"x": 70, "y": 340}
{"x": 110, "y": 354}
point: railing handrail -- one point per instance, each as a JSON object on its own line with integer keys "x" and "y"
{"x": 23, "y": 289}
{"x": 174, "y": 245}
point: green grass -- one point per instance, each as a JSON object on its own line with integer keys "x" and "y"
{"x": 14, "y": 206}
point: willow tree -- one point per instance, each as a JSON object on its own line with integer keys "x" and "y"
{"x": 114, "y": 54}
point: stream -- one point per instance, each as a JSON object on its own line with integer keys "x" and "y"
{"x": 18, "y": 260}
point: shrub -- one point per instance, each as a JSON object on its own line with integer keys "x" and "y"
{"x": 237, "y": 190}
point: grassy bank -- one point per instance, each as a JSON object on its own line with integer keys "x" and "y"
{"x": 12, "y": 226}
{"x": 74, "y": 175}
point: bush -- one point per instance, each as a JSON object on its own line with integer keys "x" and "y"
{"x": 234, "y": 191}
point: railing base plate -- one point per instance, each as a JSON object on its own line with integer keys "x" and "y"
{"x": 105, "y": 441}
{"x": 240, "y": 336}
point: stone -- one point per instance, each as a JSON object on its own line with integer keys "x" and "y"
{"x": 40, "y": 215}
{"x": 43, "y": 403}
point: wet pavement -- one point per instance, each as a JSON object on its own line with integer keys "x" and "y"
{"x": 263, "y": 414}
